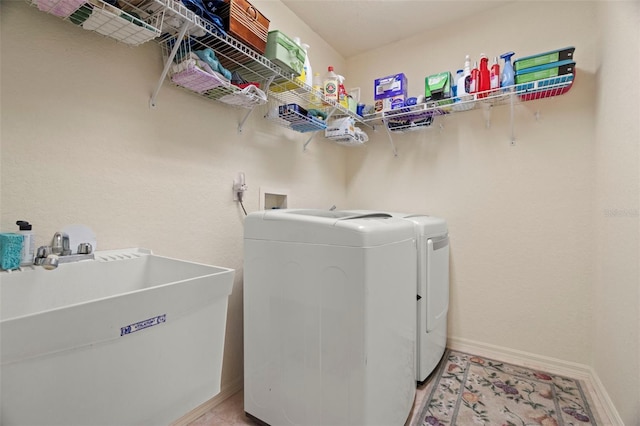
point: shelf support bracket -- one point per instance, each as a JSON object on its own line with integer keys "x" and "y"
{"x": 244, "y": 119}
{"x": 393, "y": 146}
{"x": 167, "y": 65}
{"x": 511, "y": 112}
{"x": 487, "y": 115}
{"x": 304, "y": 147}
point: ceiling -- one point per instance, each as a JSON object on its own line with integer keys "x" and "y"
{"x": 355, "y": 26}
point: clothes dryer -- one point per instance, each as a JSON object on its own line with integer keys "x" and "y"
{"x": 432, "y": 290}
{"x": 329, "y": 328}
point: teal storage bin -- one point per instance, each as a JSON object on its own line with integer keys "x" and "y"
{"x": 284, "y": 52}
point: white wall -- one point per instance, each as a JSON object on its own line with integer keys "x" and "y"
{"x": 616, "y": 318}
{"x": 81, "y": 145}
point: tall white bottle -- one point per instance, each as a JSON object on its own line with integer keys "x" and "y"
{"x": 28, "y": 243}
{"x": 464, "y": 81}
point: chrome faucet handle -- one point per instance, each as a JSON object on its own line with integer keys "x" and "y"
{"x": 84, "y": 248}
{"x": 60, "y": 244}
{"x": 41, "y": 254}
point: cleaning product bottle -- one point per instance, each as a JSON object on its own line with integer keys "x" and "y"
{"x": 454, "y": 88}
{"x": 464, "y": 82}
{"x": 317, "y": 89}
{"x": 507, "y": 70}
{"x": 308, "y": 72}
{"x": 484, "y": 79}
{"x": 494, "y": 74}
{"x": 330, "y": 85}
{"x": 28, "y": 242}
{"x": 302, "y": 78}
{"x": 342, "y": 93}
{"x": 475, "y": 76}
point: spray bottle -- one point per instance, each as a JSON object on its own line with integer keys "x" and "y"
{"x": 342, "y": 93}
{"x": 507, "y": 71}
{"x": 494, "y": 74}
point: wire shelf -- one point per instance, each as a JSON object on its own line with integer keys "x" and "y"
{"x": 233, "y": 55}
{"x": 186, "y": 73}
{"x": 294, "y": 91}
{"x": 422, "y": 115}
{"x": 292, "y": 117}
{"x": 130, "y": 24}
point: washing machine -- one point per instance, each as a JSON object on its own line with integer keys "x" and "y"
{"x": 432, "y": 251}
{"x": 329, "y": 324}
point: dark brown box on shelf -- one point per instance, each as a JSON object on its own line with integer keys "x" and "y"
{"x": 245, "y": 23}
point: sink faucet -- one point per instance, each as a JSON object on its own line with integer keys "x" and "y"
{"x": 49, "y": 257}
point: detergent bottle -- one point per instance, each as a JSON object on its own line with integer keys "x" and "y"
{"x": 330, "y": 85}
{"x": 484, "y": 79}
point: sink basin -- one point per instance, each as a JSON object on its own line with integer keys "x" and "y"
{"x": 127, "y": 338}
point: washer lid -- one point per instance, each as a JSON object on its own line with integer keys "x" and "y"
{"x": 429, "y": 226}
{"x": 329, "y": 227}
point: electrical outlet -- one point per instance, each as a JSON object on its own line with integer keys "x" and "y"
{"x": 239, "y": 187}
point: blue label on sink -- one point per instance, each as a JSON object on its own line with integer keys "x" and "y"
{"x": 141, "y": 325}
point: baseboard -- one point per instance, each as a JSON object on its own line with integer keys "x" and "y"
{"x": 548, "y": 364}
{"x": 225, "y": 392}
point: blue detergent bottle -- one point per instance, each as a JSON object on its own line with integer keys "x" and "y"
{"x": 507, "y": 71}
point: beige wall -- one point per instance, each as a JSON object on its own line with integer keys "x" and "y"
{"x": 519, "y": 216}
{"x": 616, "y": 319}
{"x": 537, "y": 265}
{"x": 530, "y": 242}
{"x": 81, "y": 145}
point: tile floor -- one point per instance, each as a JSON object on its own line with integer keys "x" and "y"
{"x": 231, "y": 412}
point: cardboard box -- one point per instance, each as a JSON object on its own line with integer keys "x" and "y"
{"x": 390, "y": 86}
{"x": 340, "y": 127}
{"x": 388, "y": 104}
{"x": 437, "y": 86}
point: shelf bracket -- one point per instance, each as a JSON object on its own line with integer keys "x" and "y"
{"x": 393, "y": 146}
{"x": 487, "y": 115}
{"x": 241, "y": 124}
{"x": 304, "y": 147}
{"x": 167, "y": 65}
{"x": 511, "y": 112}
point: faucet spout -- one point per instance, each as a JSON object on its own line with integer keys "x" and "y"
{"x": 49, "y": 257}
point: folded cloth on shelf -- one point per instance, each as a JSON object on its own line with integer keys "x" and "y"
{"x": 196, "y": 75}
{"x": 207, "y": 55}
{"x": 197, "y": 7}
{"x": 61, "y": 8}
{"x": 213, "y": 5}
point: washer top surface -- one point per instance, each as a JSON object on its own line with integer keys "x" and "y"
{"x": 428, "y": 226}
{"x": 343, "y": 228}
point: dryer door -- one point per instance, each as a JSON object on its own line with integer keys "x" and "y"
{"x": 437, "y": 283}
